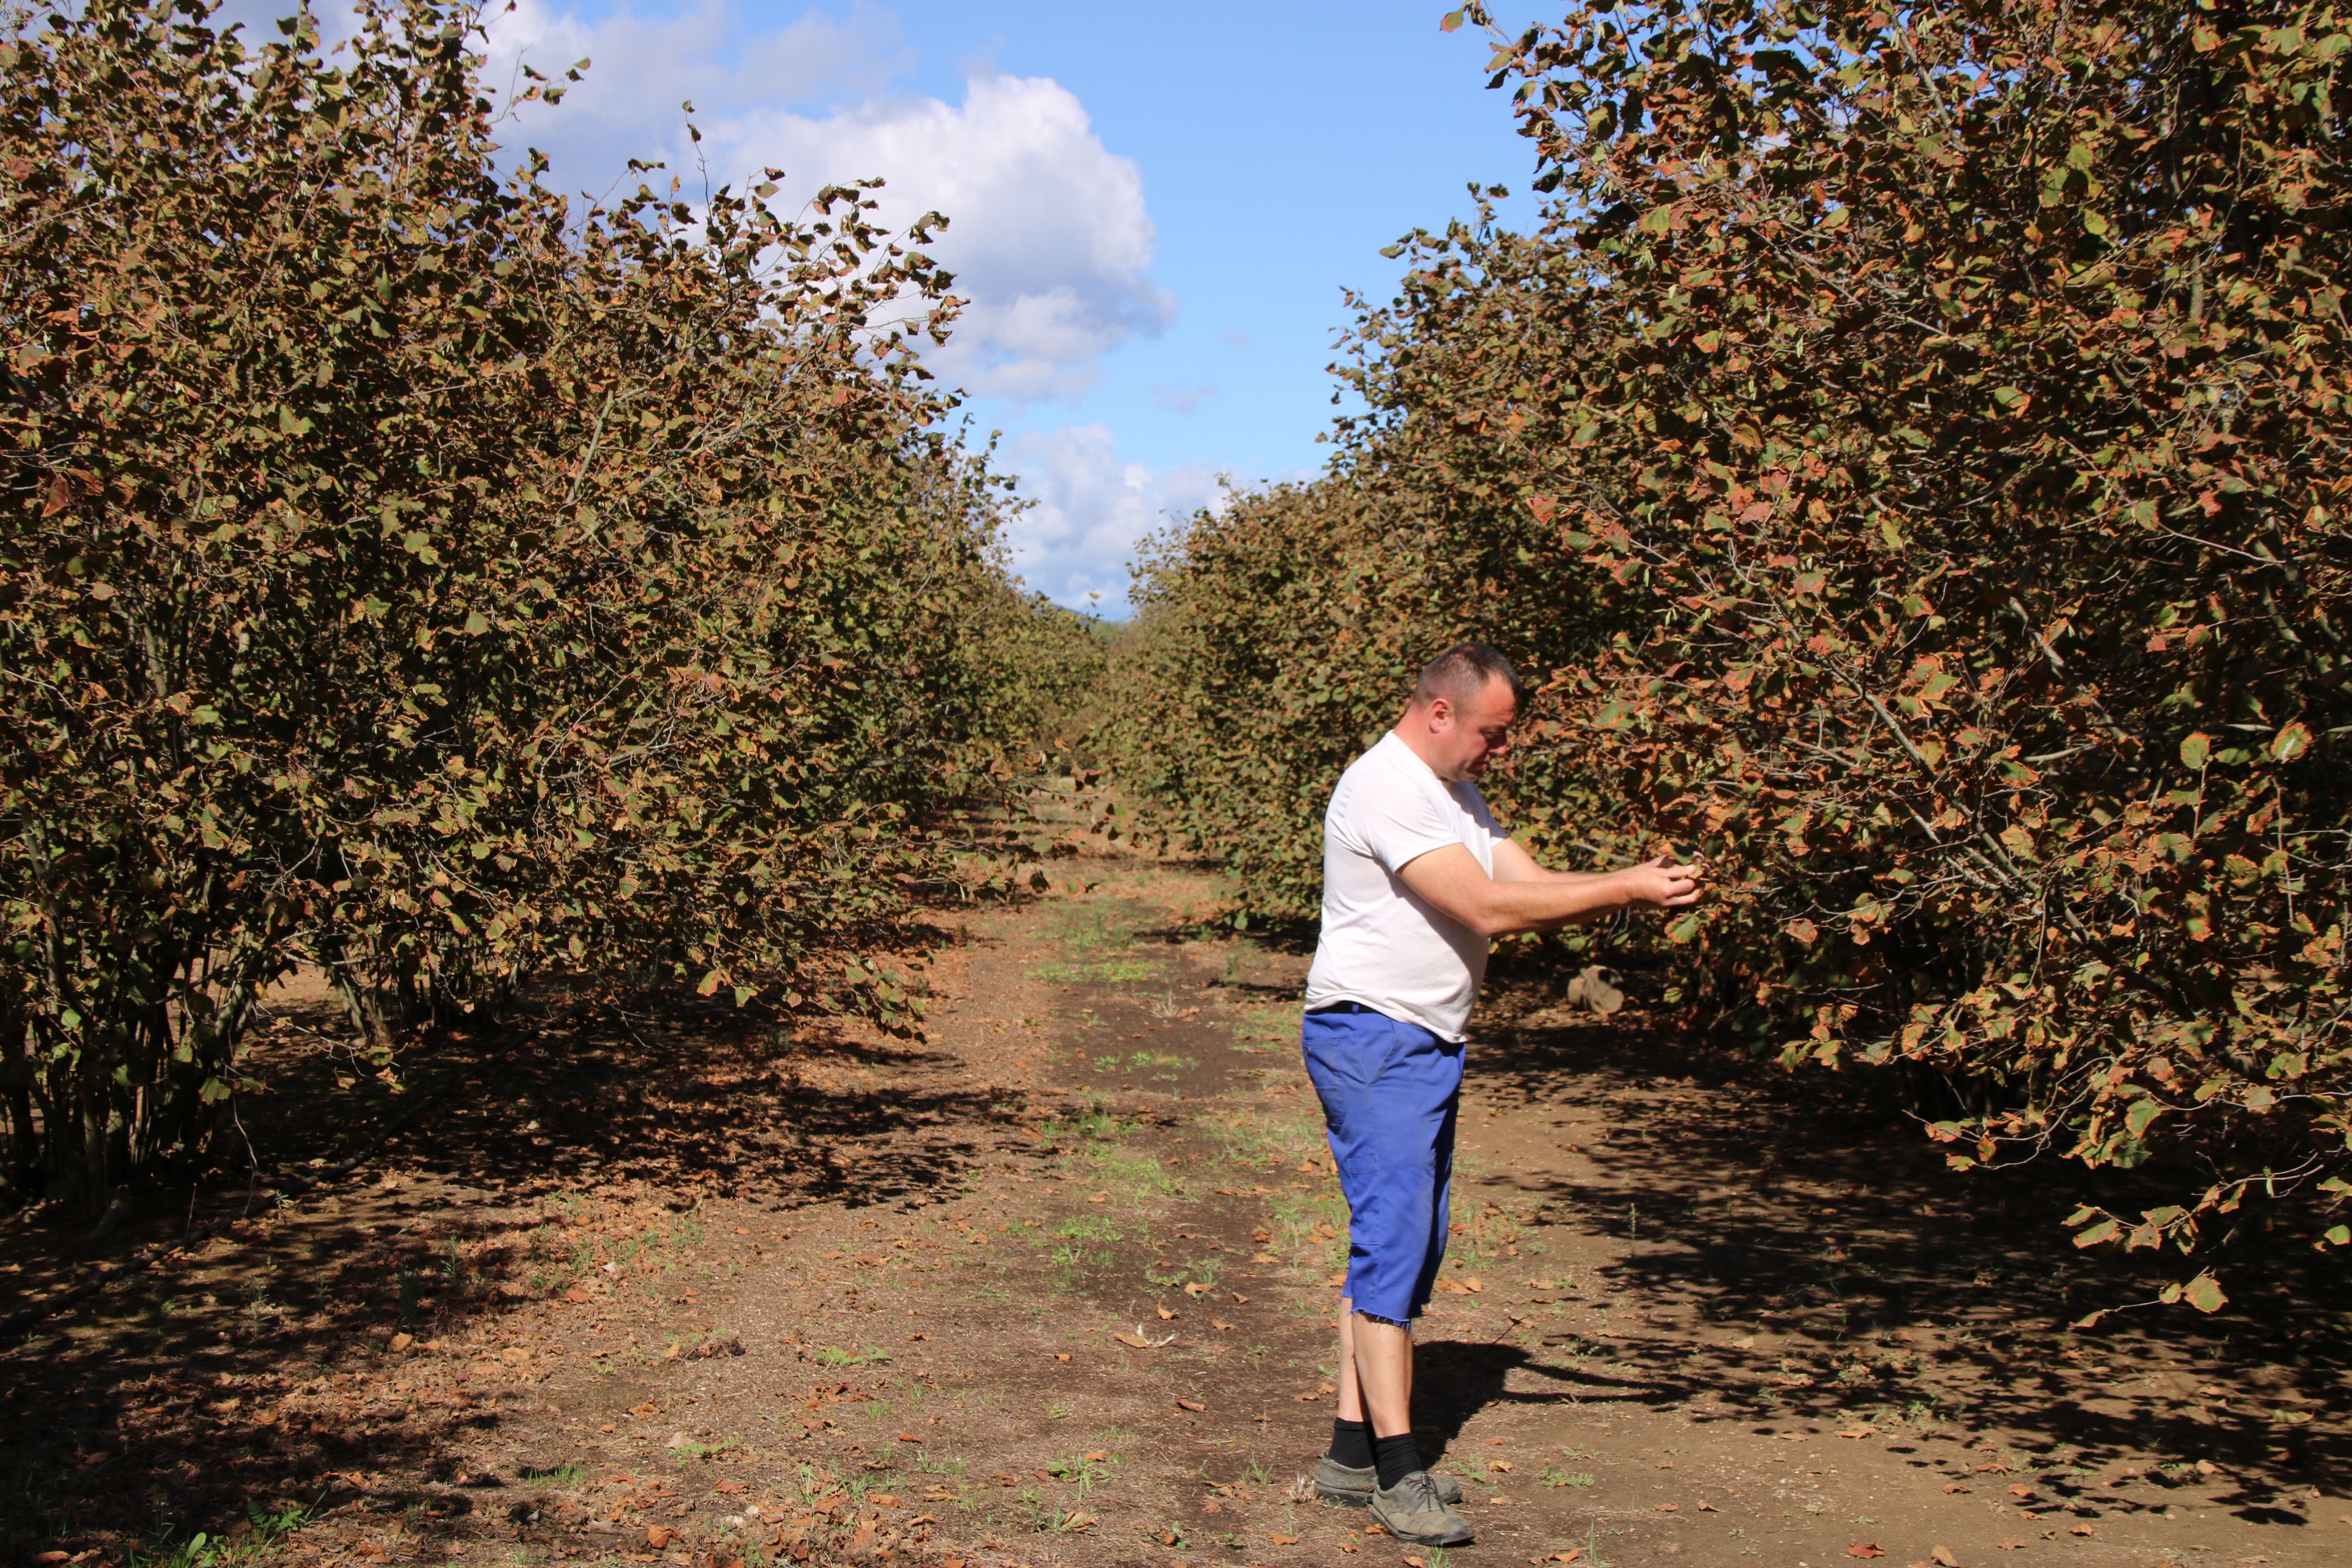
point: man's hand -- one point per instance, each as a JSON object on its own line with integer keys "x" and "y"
{"x": 1661, "y": 882}
{"x": 1453, "y": 881}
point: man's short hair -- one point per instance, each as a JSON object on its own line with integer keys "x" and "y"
{"x": 1462, "y": 671}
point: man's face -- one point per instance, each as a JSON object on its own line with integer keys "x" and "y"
{"x": 1465, "y": 739}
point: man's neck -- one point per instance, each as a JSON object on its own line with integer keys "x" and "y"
{"x": 1416, "y": 739}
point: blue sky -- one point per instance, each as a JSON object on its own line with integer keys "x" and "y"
{"x": 1154, "y": 208}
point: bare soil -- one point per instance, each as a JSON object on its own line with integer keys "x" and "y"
{"x": 1053, "y": 1285}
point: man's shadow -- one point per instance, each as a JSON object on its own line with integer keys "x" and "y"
{"x": 1453, "y": 1380}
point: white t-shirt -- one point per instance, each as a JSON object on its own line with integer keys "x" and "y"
{"x": 1382, "y": 945}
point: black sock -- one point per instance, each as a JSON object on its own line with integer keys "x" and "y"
{"x": 1397, "y": 1458}
{"x": 1351, "y": 1443}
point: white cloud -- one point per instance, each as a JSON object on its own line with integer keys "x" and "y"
{"x": 1182, "y": 399}
{"x": 1048, "y": 236}
{"x": 1091, "y": 509}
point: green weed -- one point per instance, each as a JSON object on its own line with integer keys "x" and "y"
{"x": 265, "y": 1528}
{"x": 693, "y": 1453}
{"x": 1100, "y": 972}
{"x": 1086, "y": 1471}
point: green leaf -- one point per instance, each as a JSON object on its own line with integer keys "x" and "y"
{"x": 2092, "y": 1236}
{"x": 2204, "y": 1293}
{"x": 2195, "y": 750}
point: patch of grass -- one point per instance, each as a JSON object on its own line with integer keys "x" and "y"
{"x": 1099, "y": 972}
{"x": 1092, "y": 1125}
{"x": 1141, "y": 1175}
{"x": 1093, "y": 928}
{"x": 1257, "y": 1138}
{"x": 1556, "y": 1477}
{"x": 564, "y": 1475}
{"x": 1086, "y": 1471}
{"x": 1203, "y": 1269}
{"x": 1082, "y": 1242}
{"x": 828, "y": 1356}
{"x": 694, "y": 1453}
{"x": 265, "y": 1528}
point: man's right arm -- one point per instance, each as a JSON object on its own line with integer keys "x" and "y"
{"x": 1451, "y": 879}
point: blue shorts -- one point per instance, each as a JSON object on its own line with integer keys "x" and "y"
{"x": 1390, "y": 1092}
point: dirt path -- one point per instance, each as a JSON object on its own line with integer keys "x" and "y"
{"x": 1052, "y": 1287}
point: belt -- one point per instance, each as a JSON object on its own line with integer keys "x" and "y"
{"x": 1342, "y": 1007}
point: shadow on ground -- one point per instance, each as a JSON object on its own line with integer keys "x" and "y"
{"x": 149, "y": 1412}
{"x": 1808, "y": 1206}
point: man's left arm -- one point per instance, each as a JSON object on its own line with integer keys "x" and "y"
{"x": 1514, "y": 864}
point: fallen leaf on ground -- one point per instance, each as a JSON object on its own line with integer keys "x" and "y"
{"x": 1138, "y": 1340}
{"x": 2080, "y": 1529}
{"x": 1165, "y": 1315}
{"x": 1670, "y": 1507}
{"x": 1264, "y": 1258}
{"x": 1415, "y": 1563}
{"x": 909, "y": 1437}
{"x": 659, "y": 1536}
{"x": 1219, "y": 1323}
{"x": 1061, "y": 1355}
{"x": 1955, "y": 1486}
{"x": 1498, "y": 1463}
{"x": 1284, "y": 1539}
{"x": 1858, "y": 1431}
{"x": 1944, "y": 1558}
{"x": 2011, "y": 1543}
{"x": 1189, "y": 1405}
{"x": 1865, "y": 1549}
{"x": 1573, "y": 1554}
{"x": 1098, "y": 1198}
{"x": 1195, "y": 1287}
{"x": 1239, "y": 1299}
{"x": 1708, "y": 1508}
{"x": 401, "y": 1343}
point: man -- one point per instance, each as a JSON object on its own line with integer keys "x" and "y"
{"x": 1417, "y": 880}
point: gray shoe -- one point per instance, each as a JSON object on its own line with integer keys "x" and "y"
{"x": 1352, "y": 1488}
{"x": 1413, "y": 1512}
